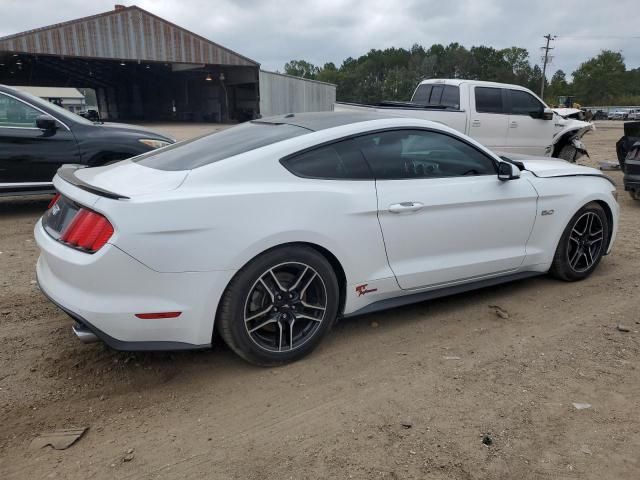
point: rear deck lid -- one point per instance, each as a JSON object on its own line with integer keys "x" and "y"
{"x": 123, "y": 180}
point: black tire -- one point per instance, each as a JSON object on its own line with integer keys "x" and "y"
{"x": 635, "y": 194}
{"x": 253, "y": 291}
{"x": 579, "y": 253}
{"x": 568, "y": 153}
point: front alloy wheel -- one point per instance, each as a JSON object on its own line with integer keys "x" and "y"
{"x": 279, "y": 306}
{"x": 582, "y": 244}
{"x": 585, "y": 242}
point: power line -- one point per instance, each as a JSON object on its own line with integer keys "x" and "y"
{"x": 613, "y": 37}
{"x": 545, "y": 61}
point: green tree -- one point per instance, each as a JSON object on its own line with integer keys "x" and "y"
{"x": 329, "y": 73}
{"x": 601, "y": 79}
{"x": 393, "y": 73}
{"x": 301, "y": 68}
{"x": 558, "y": 86}
{"x": 518, "y": 61}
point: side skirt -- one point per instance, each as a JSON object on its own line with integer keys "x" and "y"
{"x": 438, "y": 293}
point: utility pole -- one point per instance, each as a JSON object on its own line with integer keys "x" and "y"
{"x": 545, "y": 61}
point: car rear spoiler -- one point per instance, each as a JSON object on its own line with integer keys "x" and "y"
{"x": 67, "y": 173}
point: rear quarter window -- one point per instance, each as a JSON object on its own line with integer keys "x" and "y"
{"x": 337, "y": 161}
{"x": 218, "y": 146}
{"x": 437, "y": 94}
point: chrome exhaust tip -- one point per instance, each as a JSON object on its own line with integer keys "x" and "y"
{"x": 83, "y": 333}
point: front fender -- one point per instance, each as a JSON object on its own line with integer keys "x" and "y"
{"x": 572, "y": 128}
{"x": 560, "y": 198}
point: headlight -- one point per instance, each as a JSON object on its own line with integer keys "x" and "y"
{"x": 154, "y": 143}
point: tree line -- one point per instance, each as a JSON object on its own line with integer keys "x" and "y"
{"x": 393, "y": 73}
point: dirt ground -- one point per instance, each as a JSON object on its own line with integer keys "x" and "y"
{"x": 406, "y": 393}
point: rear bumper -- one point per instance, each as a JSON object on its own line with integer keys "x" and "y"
{"x": 104, "y": 291}
{"x": 632, "y": 186}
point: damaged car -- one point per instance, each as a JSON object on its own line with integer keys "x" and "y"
{"x": 503, "y": 117}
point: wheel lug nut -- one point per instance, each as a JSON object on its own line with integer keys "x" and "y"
{"x": 275, "y": 309}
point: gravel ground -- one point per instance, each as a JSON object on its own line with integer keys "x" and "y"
{"x": 406, "y": 393}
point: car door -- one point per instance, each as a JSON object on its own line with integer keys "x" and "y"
{"x": 488, "y": 117}
{"x": 445, "y": 216}
{"x": 27, "y": 153}
{"x": 529, "y": 133}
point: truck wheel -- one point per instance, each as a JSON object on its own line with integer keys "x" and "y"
{"x": 568, "y": 153}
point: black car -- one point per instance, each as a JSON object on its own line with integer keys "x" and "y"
{"x": 37, "y": 137}
{"x": 628, "y": 150}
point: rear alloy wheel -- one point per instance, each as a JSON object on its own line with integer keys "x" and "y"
{"x": 635, "y": 194}
{"x": 582, "y": 245}
{"x": 278, "y": 308}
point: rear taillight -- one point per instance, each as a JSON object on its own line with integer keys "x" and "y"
{"x": 87, "y": 231}
{"x": 53, "y": 200}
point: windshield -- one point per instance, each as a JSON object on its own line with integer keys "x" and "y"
{"x": 61, "y": 113}
{"x": 218, "y": 146}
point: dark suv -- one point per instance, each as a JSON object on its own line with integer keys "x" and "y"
{"x": 37, "y": 137}
{"x": 628, "y": 150}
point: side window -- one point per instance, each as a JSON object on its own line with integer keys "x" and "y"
{"x": 338, "y": 161}
{"x": 523, "y": 103}
{"x": 489, "y": 100}
{"x": 14, "y": 113}
{"x": 404, "y": 154}
{"x": 451, "y": 96}
{"x": 422, "y": 94}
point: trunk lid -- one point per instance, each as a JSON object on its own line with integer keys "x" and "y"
{"x": 123, "y": 180}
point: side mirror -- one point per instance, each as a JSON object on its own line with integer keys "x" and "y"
{"x": 508, "y": 171}
{"x": 544, "y": 114}
{"x": 46, "y": 123}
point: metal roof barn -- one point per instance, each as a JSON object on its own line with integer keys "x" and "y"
{"x": 127, "y": 33}
{"x": 141, "y": 66}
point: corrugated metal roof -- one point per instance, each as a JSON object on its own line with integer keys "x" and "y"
{"x": 129, "y": 33}
{"x": 51, "y": 92}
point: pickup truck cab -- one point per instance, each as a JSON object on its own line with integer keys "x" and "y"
{"x": 505, "y": 118}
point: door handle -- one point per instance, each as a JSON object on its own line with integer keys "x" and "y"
{"x": 513, "y": 124}
{"x": 405, "y": 207}
{"x": 475, "y": 123}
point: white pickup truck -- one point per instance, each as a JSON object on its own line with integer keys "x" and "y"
{"x": 505, "y": 118}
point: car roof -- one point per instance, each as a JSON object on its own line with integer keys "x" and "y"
{"x": 316, "y": 121}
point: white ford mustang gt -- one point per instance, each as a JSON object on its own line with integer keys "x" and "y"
{"x": 270, "y": 230}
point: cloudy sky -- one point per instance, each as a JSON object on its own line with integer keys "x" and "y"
{"x": 273, "y": 32}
